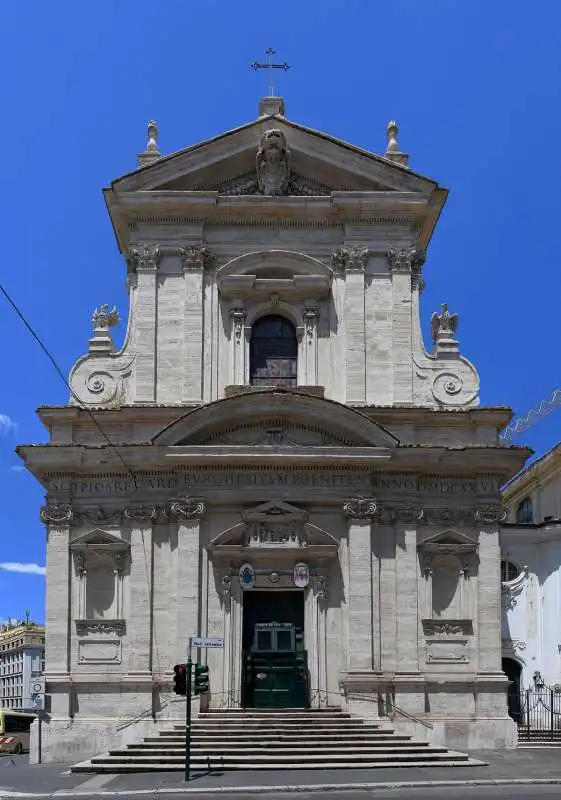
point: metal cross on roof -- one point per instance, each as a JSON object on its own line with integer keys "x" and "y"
{"x": 270, "y": 67}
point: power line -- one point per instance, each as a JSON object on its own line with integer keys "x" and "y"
{"x": 65, "y": 381}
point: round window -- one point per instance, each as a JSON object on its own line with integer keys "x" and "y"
{"x": 509, "y": 571}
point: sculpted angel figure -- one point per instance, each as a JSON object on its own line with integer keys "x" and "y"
{"x": 273, "y": 163}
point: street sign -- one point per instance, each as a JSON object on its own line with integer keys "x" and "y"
{"x": 207, "y": 641}
{"x": 37, "y": 685}
{"x": 38, "y": 702}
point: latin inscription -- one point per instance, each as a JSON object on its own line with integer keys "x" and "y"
{"x": 191, "y": 481}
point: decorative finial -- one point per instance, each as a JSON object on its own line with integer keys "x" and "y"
{"x": 151, "y": 153}
{"x": 393, "y": 153}
{"x": 102, "y": 320}
{"x": 443, "y": 330}
{"x": 152, "y": 146}
{"x": 391, "y": 132}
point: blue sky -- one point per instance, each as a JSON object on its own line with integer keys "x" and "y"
{"x": 473, "y": 84}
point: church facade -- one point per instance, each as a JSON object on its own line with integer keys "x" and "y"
{"x": 274, "y": 457}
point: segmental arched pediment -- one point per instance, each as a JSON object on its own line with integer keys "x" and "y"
{"x": 299, "y": 416}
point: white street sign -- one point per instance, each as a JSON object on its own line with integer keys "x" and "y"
{"x": 37, "y": 685}
{"x": 208, "y": 641}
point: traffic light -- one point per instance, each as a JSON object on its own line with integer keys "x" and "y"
{"x": 180, "y": 679}
{"x": 202, "y": 683}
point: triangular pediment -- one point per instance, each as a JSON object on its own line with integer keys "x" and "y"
{"x": 450, "y": 537}
{"x": 275, "y": 510}
{"x": 275, "y": 526}
{"x": 319, "y": 164}
{"x": 98, "y": 538}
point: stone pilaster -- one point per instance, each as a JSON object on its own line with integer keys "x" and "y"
{"x": 58, "y": 612}
{"x": 406, "y": 566}
{"x": 139, "y": 617}
{"x": 238, "y": 347}
{"x": 310, "y": 345}
{"x": 385, "y": 550}
{"x": 405, "y": 266}
{"x": 188, "y": 512}
{"x": 193, "y": 259}
{"x": 144, "y": 260}
{"x": 355, "y": 334}
{"x": 489, "y": 599}
{"x": 361, "y": 586}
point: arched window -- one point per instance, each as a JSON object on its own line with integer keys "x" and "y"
{"x": 509, "y": 571}
{"x": 524, "y": 510}
{"x": 273, "y": 352}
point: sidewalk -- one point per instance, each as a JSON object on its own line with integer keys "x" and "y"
{"x": 529, "y": 765}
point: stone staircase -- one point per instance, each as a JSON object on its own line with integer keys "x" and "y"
{"x": 279, "y": 739}
{"x": 538, "y": 737}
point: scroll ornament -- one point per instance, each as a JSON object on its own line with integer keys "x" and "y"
{"x": 189, "y": 508}
{"x": 360, "y": 508}
{"x": 57, "y": 513}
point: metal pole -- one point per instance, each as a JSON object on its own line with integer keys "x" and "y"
{"x": 39, "y": 743}
{"x": 189, "y": 668}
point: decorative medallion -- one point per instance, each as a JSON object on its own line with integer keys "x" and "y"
{"x": 261, "y": 676}
{"x": 301, "y": 575}
{"x": 247, "y": 576}
{"x": 274, "y": 577}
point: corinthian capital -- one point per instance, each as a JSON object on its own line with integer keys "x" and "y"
{"x": 143, "y": 258}
{"x": 350, "y": 259}
{"x": 360, "y": 508}
{"x": 195, "y": 256}
{"x": 407, "y": 260}
{"x": 188, "y": 508}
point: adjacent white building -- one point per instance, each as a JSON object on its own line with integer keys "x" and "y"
{"x": 531, "y": 573}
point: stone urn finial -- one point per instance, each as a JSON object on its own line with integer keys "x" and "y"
{"x": 393, "y": 153}
{"x": 151, "y": 153}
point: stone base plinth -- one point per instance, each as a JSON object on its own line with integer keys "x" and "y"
{"x": 65, "y": 740}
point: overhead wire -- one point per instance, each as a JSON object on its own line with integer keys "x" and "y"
{"x": 51, "y": 358}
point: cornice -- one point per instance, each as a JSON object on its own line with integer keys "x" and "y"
{"x": 131, "y": 209}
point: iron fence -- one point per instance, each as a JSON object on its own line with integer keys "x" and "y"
{"x": 536, "y": 709}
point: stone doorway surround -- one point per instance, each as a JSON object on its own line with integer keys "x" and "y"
{"x": 273, "y": 537}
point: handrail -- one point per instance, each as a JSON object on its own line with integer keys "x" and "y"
{"x": 410, "y": 716}
{"x": 374, "y": 699}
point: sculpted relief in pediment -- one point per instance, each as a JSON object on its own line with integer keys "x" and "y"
{"x": 275, "y": 434}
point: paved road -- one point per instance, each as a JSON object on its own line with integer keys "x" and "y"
{"x": 50, "y": 779}
{"x": 466, "y": 793}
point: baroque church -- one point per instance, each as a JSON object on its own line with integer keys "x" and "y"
{"x": 274, "y": 456}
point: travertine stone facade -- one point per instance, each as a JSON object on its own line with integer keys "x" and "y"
{"x": 372, "y": 463}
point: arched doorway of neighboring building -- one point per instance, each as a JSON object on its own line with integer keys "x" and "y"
{"x": 513, "y": 672}
{"x": 273, "y": 352}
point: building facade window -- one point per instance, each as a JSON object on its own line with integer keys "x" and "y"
{"x": 509, "y": 571}
{"x": 525, "y": 511}
{"x": 273, "y": 352}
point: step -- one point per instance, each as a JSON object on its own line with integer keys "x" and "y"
{"x": 247, "y": 741}
{"x": 261, "y": 726}
{"x": 273, "y": 711}
{"x": 264, "y": 749}
{"x": 277, "y": 758}
{"x": 124, "y": 767}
